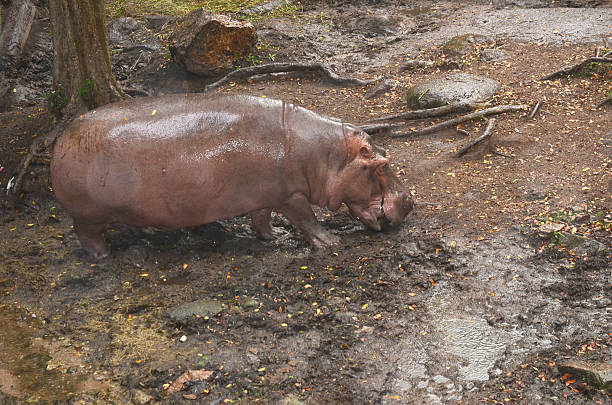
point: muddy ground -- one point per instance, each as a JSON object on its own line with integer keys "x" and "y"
{"x": 468, "y": 302}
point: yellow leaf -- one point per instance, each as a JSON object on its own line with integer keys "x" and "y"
{"x": 364, "y": 306}
{"x": 154, "y": 112}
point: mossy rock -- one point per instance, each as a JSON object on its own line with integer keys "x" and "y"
{"x": 462, "y": 44}
{"x": 451, "y": 88}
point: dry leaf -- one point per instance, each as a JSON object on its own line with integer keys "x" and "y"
{"x": 189, "y": 375}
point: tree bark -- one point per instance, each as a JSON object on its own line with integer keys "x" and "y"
{"x": 17, "y": 19}
{"x": 81, "y": 65}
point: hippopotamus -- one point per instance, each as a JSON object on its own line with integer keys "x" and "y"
{"x": 184, "y": 160}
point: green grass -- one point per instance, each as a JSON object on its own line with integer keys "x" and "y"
{"x": 136, "y": 8}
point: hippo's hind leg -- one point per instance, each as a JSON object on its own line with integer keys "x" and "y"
{"x": 261, "y": 224}
{"x": 90, "y": 236}
{"x": 298, "y": 211}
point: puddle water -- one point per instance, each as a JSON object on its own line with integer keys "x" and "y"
{"x": 24, "y": 371}
{"x": 475, "y": 344}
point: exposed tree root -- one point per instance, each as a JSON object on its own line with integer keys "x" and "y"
{"x": 455, "y": 121}
{"x": 374, "y": 128}
{"x": 606, "y": 101}
{"x": 571, "y": 69}
{"x": 36, "y": 149}
{"x": 430, "y": 112}
{"x": 307, "y": 68}
{"x": 485, "y": 135}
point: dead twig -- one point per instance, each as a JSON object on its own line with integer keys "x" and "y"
{"x": 574, "y": 68}
{"x": 316, "y": 68}
{"x": 455, "y": 121}
{"x": 535, "y": 109}
{"x": 485, "y": 135}
{"x": 454, "y": 108}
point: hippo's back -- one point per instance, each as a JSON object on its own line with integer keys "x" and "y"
{"x": 138, "y": 161}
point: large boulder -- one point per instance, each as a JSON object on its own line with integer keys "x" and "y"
{"x": 209, "y": 44}
{"x": 450, "y": 88}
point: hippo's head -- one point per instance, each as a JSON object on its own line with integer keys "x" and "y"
{"x": 369, "y": 188}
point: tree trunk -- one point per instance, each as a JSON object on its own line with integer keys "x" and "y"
{"x": 17, "y": 19}
{"x": 82, "y": 74}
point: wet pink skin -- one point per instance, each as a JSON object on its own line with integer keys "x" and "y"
{"x": 184, "y": 160}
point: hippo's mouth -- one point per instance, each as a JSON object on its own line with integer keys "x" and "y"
{"x": 375, "y": 219}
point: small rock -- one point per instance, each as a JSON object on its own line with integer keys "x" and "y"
{"x": 598, "y": 375}
{"x": 120, "y": 29}
{"x": 413, "y": 64}
{"x": 12, "y": 96}
{"x": 450, "y": 88}
{"x": 291, "y": 400}
{"x": 462, "y": 44}
{"x": 545, "y": 231}
{"x": 440, "y": 379}
{"x": 579, "y": 244}
{"x": 183, "y": 312}
{"x": 380, "y": 88}
{"x": 411, "y": 249}
{"x": 140, "y": 397}
{"x": 490, "y": 55}
{"x": 156, "y": 22}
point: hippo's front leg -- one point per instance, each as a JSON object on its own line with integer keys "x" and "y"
{"x": 261, "y": 224}
{"x": 298, "y": 211}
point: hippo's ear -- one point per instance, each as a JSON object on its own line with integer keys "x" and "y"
{"x": 366, "y": 151}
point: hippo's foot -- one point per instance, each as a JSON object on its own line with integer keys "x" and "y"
{"x": 324, "y": 240}
{"x": 299, "y": 212}
{"x": 262, "y": 227}
{"x": 90, "y": 236}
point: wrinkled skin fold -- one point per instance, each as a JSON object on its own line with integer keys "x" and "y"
{"x": 185, "y": 160}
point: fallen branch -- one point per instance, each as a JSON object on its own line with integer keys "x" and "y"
{"x": 535, "y": 109}
{"x": 318, "y": 68}
{"x": 485, "y": 135}
{"x": 574, "y": 68}
{"x": 455, "y": 121}
{"x": 430, "y": 112}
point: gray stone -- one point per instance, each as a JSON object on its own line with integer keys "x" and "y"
{"x": 545, "y": 231}
{"x": 11, "y": 96}
{"x": 599, "y": 375}
{"x": 201, "y": 308}
{"x": 140, "y": 397}
{"x": 492, "y": 55}
{"x": 462, "y": 44}
{"x": 120, "y": 29}
{"x": 380, "y": 88}
{"x": 440, "y": 379}
{"x": 450, "y": 88}
{"x": 374, "y": 25}
{"x": 291, "y": 400}
{"x": 579, "y": 244}
{"x": 413, "y": 64}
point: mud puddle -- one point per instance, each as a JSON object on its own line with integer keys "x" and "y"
{"x": 34, "y": 369}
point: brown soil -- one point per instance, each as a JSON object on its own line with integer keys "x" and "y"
{"x": 346, "y": 325}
